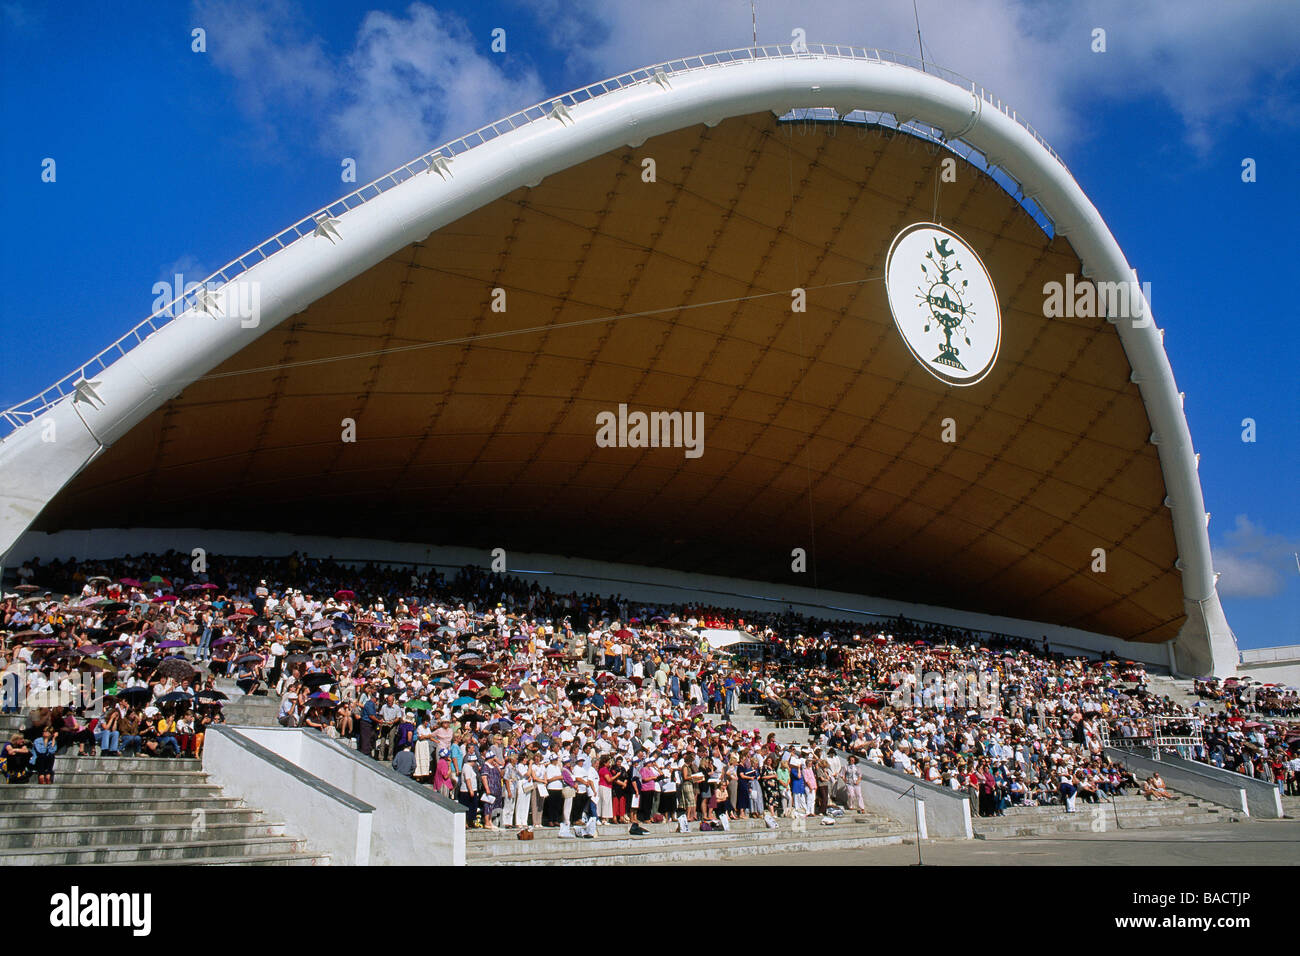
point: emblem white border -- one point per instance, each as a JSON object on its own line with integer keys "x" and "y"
{"x": 921, "y": 360}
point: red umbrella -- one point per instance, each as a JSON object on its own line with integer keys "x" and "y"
{"x": 164, "y": 599}
{"x": 344, "y": 595}
{"x": 470, "y": 687}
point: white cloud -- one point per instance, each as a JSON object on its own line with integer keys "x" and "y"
{"x": 1254, "y": 563}
{"x": 412, "y": 80}
{"x": 1207, "y": 61}
{"x": 417, "y": 81}
{"x": 408, "y": 83}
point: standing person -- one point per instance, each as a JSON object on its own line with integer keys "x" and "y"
{"x": 511, "y": 794}
{"x": 537, "y": 795}
{"x": 649, "y": 780}
{"x": 772, "y": 790}
{"x": 797, "y": 793}
{"x": 369, "y": 715}
{"x": 822, "y": 779}
{"x": 468, "y": 792}
{"x": 568, "y": 791}
{"x": 745, "y": 777}
{"x": 490, "y": 787}
{"x": 524, "y": 800}
{"x": 619, "y": 786}
{"x": 605, "y": 791}
{"x": 732, "y": 780}
{"x": 442, "y": 773}
{"x": 690, "y": 773}
{"x": 668, "y": 790}
{"x": 853, "y": 780}
{"x": 43, "y": 753}
{"x": 553, "y": 808}
{"x": 423, "y": 749}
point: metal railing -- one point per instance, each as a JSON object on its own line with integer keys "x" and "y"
{"x": 1160, "y": 738}
{"x": 18, "y": 415}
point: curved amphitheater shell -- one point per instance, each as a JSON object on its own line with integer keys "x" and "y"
{"x": 774, "y": 170}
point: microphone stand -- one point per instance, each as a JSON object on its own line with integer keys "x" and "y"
{"x": 916, "y": 811}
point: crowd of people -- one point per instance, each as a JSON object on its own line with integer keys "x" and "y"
{"x": 533, "y": 708}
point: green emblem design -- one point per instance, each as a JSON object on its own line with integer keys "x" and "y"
{"x": 943, "y": 296}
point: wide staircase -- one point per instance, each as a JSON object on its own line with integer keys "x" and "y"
{"x": 1125, "y": 813}
{"x": 663, "y": 844}
{"x": 137, "y": 811}
{"x": 747, "y": 718}
{"x": 243, "y": 710}
{"x": 1177, "y": 689}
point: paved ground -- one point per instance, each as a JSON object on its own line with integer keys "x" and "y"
{"x": 1263, "y": 842}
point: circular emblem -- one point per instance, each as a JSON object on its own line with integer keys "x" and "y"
{"x": 943, "y": 303}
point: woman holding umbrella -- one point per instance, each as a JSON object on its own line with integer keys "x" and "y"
{"x": 249, "y": 674}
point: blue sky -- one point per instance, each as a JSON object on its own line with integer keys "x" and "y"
{"x": 170, "y": 160}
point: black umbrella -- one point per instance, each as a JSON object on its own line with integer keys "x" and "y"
{"x": 373, "y": 652}
{"x": 175, "y": 697}
{"x": 249, "y": 659}
{"x": 316, "y": 679}
{"x": 212, "y": 695}
{"x": 134, "y": 695}
{"x": 176, "y": 667}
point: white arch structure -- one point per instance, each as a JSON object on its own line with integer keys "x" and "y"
{"x": 102, "y": 401}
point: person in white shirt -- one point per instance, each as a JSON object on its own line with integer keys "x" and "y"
{"x": 553, "y": 807}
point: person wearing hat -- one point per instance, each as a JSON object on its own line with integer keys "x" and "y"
{"x": 467, "y": 791}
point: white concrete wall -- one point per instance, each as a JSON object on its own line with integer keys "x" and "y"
{"x": 1272, "y": 665}
{"x": 943, "y": 812}
{"x": 411, "y": 826}
{"x": 1254, "y": 798}
{"x": 329, "y": 820}
{"x": 646, "y": 584}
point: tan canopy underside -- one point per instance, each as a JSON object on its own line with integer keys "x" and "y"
{"x": 821, "y": 430}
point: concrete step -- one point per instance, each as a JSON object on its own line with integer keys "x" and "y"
{"x": 121, "y": 765}
{"x": 269, "y": 859}
{"x": 1092, "y": 821}
{"x": 684, "y": 848}
{"x": 847, "y": 822}
{"x": 187, "y": 851}
{"x": 101, "y": 835}
{"x": 156, "y": 776}
{"x": 127, "y": 814}
{"x": 56, "y": 805}
{"x": 14, "y": 795}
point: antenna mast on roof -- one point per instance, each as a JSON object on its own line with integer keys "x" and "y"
{"x": 920, "y": 46}
{"x": 753, "y": 15}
